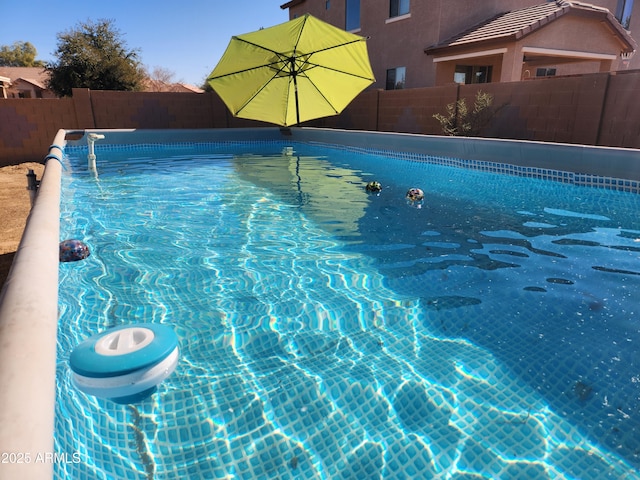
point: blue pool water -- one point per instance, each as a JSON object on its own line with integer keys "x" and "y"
{"x": 330, "y": 333}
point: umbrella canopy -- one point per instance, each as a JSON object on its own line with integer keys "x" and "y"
{"x": 293, "y": 72}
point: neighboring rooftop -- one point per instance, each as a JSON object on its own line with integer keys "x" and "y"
{"x": 160, "y": 86}
{"x": 517, "y": 24}
{"x": 22, "y": 78}
{"x": 24, "y": 82}
{"x": 34, "y": 75}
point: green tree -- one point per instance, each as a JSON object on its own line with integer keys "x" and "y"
{"x": 206, "y": 86}
{"x": 94, "y": 55}
{"x": 20, "y": 54}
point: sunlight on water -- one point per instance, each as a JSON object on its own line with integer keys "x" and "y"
{"x": 330, "y": 333}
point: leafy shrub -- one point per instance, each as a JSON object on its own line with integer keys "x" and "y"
{"x": 458, "y": 120}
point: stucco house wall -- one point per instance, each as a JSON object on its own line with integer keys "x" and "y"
{"x": 576, "y": 34}
{"x": 401, "y": 41}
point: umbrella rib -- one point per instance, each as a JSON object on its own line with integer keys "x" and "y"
{"x": 248, "y": 70}
{"x": 314, "y": 65}
{"x": 362, "y": 39}
{"x": 281, "y": 58}
{"x": 304, "y": 22}
{"x": 320, "y": 91}
{"x": 321, "y": 94}
{"x": 257, "y": 91}
{"x": 261, "y": 47}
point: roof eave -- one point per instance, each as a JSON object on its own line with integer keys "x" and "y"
{"x": 478, "y": 44}
{"x": 624, "y": 36}
{"x": 32, "y": 82}
{"x": 290, "y": 4}
{"x": 606, "y": 17}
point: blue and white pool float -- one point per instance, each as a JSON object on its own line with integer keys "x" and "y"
{"x": 125, "y": 364}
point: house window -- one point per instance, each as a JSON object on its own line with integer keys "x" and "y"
{"x": 545, "y": 72}
{"x": 396, "y": 78}
{"x": 398, "y": 7}
{"x": 327, "y": 4}
{"x": 352, "y": 15}
{"x": 623, "y": 12}
{"x": 472, "y": 74}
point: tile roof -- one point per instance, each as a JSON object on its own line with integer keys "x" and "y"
{"x": 32, "y": 81}
{"x": 36, "y": 75}
{"x": 519, "y": 23}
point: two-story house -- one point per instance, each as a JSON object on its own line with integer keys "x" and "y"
{"x": 422, "y": 43}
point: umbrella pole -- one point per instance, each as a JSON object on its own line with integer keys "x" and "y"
{"x": 295, "y": 86}
{"x": 294, "y": 74}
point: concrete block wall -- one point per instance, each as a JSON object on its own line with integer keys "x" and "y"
{"x": 361, "y": 114}
{"x": 621, "y": 111}
{"x": 412, "y": 110}
{"x": 28, "y": 126}
{"x": 562, "y": 110}
{"x": 595, "y": 109}
{"x": 114, "y": 109}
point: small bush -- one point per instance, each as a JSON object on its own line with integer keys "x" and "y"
{"x": 458, "y": 120}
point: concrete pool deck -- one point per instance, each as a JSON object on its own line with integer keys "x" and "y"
{"x": 28, "y": 303}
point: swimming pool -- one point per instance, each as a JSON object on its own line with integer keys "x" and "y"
{"x": 330, "y": 333}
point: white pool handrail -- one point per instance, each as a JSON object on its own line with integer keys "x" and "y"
{"x": 28, "y": 335}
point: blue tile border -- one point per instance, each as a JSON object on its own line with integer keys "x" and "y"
{"x": 572, "y": 178}
{"x": 133, "y": 147}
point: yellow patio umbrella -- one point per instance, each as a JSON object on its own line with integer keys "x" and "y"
{"x": 293, "y": 72}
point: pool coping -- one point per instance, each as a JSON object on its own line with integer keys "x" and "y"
{"x": 29, "y": 299}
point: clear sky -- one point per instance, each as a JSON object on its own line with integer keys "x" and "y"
{"x": 186, "y": 38}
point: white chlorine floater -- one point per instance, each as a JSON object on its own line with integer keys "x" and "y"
{"x": 91, "y": 140}
{"x": 125, "y": 364}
